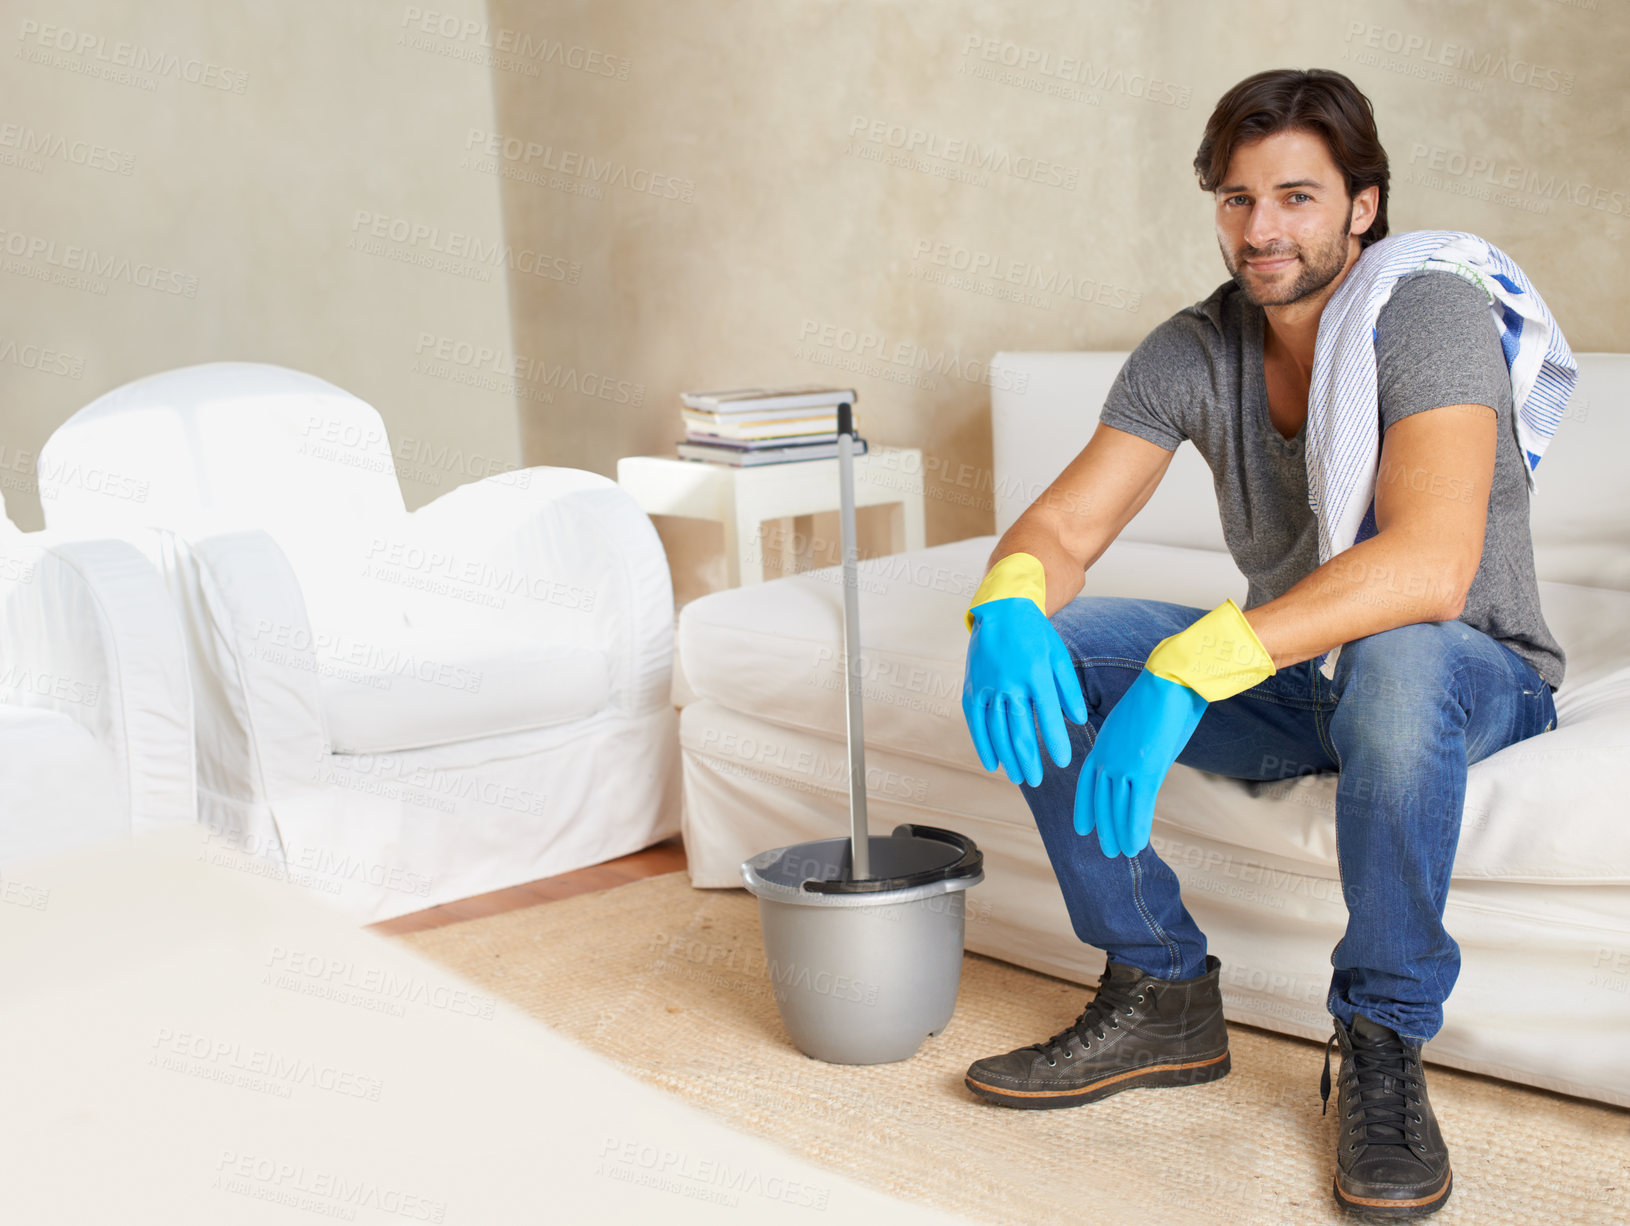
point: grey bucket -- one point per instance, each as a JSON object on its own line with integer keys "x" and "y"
{"x": 864, "y": 971}
{"x": 863, "y": 935}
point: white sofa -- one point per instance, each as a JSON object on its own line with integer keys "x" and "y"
{"x": 395, "y": 709}
{"x": 1540, "y": 901}
{"x": 95, "y": 708}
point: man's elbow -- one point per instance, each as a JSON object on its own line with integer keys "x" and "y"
{"x": 1451, "y": 611}
{"x": 1452, "y": 590}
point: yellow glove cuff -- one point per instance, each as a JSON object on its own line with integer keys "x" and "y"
{"x": 1217, "y": 657}
{"x": 1018, "y": 574}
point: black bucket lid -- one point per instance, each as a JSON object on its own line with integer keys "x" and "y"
{"x": 969, "y": 863}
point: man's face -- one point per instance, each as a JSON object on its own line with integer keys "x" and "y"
{"x": 1284, "y": 218}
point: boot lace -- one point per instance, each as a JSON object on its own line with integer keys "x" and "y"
{"x": 1114, "y": 1000}
{"x": 1386, "y": 1079}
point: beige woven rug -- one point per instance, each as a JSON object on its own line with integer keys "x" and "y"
{"x": 669, "y": 982}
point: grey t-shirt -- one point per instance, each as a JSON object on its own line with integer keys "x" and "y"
{"x": 1198, "y": 376}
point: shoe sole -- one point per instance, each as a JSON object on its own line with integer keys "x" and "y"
{"x": 1154, "y": 1076}
{"x": 1382, "y": 1207}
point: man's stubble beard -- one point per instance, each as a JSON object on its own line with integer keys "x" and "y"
{"x": 1317, "y": 272}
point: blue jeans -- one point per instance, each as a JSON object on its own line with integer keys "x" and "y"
{"x": 1405, "y": 714}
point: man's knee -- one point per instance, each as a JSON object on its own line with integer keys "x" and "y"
{"x": 1395, "y": 692}
{"x": 1119, "y": 628}
{"x": 1109, "y": 638}
{"x": 1407, "y": 668}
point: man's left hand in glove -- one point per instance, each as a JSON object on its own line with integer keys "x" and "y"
{"x": 1215, "y": 658}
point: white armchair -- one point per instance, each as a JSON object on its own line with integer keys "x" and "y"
{"x": 96, "y": 737}
{"x": 398, "y": 708}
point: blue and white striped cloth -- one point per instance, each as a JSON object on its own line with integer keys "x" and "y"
{"x": 1343, "y": 416}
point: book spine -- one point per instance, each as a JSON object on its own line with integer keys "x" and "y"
{"x": 750, "y": 441}
{"x": 747, "y": 457}
{"x": 767, "y": 401}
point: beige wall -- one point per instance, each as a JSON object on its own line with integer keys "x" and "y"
{"x": 794, "y": 240}
{"x": 750, "y": 225}
{"x": 248, "y": 197}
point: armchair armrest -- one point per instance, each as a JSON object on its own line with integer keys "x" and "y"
{"x": 87, "y": 630}
{"x": 249, "y": 645}
{"x": 558, "y": 553}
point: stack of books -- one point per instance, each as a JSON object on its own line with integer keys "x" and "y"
{"x": 762, "y": 425}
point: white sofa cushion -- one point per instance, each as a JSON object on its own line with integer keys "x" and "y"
{"x": 1542, "y": 810}
{"x": 397, "y": 689}
{"x": 773, "y": 650}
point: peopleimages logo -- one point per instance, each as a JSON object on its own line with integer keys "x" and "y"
{"x": 89, "y": 266}
{"x": 1497, "y": 175}
{"x": 1075, "y": 70}
{"x": 394, "y": 560}
{"x": 311, "y": 966}
{"x": 1461, "y": 57}
{"x": 496, "y": 361}
{"x": 84, "y": 153}
{"x": 1024, "y": 274}
{"x": 515, "y": 46}
{"x": 808, "y": 763}
{"x": 816, "y": 335}
{"x": 190, "y": 1051}
{"x": 459, "y": 246}
{"x": 603, "y": 172}
{"x": 322, "y": 1192}
{"x": 16, "y": 570}
{"x": 20, "y": 679}
{"x": 377, "y": 661}
{"x": 39, "y": 358}
{"x": 908, "y": 141}
{"x": 41, "y": 43}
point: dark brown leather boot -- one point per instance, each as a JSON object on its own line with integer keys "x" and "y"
{"x": 1392, "y": 1162}
{"x": 1138, "y": 1031}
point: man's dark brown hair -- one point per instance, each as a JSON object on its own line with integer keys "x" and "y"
{"x": 1288, "y": 99}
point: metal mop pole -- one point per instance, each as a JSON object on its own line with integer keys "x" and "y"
{"x": 860, "y": 846}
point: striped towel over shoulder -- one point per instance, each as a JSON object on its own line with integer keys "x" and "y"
{"x": 1343, "y": 415}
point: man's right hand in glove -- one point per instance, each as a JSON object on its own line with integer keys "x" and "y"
{"x": 1019, "y": 673}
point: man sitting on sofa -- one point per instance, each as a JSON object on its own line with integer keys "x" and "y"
{"x": 1442, "y": 656}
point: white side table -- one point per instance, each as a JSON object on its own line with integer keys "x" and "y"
{"x": 742, "y": 498}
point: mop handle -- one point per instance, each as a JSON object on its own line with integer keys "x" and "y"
{"x": 860, "y": 845}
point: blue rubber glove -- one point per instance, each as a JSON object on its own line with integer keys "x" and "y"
{"x": 1217, "y": 657}
{"x": 1137, "y": 744}
{"x": 1019, "y": 673}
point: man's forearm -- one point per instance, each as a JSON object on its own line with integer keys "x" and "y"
{"x": 1378, "y": 584}
{"x": 1387, "y": 581}
{"x": 1064, "y": 572}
